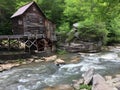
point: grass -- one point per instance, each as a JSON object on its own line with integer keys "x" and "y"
{"x": 61, "y": 52}
{"x": 88, "y": 87}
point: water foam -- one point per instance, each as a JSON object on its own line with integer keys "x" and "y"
{"x": 23, "y": 80}
{"x": 109, "y": 56}
{"x": 21, "y": 87}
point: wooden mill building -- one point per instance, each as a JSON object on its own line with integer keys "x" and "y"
{"x": 30, "y": 22}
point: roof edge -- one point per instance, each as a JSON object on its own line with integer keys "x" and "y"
{"x": 30, "y": 3}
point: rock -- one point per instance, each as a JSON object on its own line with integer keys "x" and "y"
{"x": 59, "y": 61}
{"x": 114, "y": 82}
{"x": 28, "y": 62}
{"x": 1, "y": 69}
{"x": 24, "y": 62}
{"x": 75, "y": 59}
{"x": 108, "y": 77}
{"x": 51, "y": 58}
{"x": 82, "y": 46}
{"x": 38, "y": 60}
{"x": 31, "y": 59}
{"x": 117, "y": 75}
{"x": 99, "y": 83}
{"x": 80, "y": 53}
{"x": 8, "y": 66}
{"x": 60, "y": 87}
{"x": 15, "y": 65}
{"x": 117, "y": 84}
{"x": 76, "y": 86}
{"x": 80, "y": 81}
{"x": 77, "y": 83}
{"x": 88, "y": 76}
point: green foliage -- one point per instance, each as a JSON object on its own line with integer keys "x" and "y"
{"x": 95, "y": 18}
{"x": 61, "y": 52}
{"x": 6, "y": 9}
{"x": 99, "y": 19}
{"x": 114, "y": 35}
{"x": 85, "y": 87}
{"x": 63, "y": 29}
{"x": 93, "y": 30}
{"x": 54, "y": 10}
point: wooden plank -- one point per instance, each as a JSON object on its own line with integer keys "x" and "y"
{"x": 12, "y": 41}
{"x": 20, "y": 36}
{"x": 11, "y": 36}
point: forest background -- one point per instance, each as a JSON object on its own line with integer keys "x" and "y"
{"x": 97, "y": 19}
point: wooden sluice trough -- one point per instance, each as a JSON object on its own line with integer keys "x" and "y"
{"x": 20, "y": 46}
{"x": 10, "y": 41}
{"x": 19, "y": 41}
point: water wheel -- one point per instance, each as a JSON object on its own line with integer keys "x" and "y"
{"x": 40, "y": 44}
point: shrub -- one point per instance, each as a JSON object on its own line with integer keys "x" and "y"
{"x": 92, "y": 30}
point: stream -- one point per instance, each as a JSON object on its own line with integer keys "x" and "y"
{"x": 37, "y": 76}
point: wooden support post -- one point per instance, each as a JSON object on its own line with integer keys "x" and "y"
{"x": 36, "y": 43}
{"x": 45, "y": 45}
{"x": 0, "y": 44}
{"x": 18, "y": 42}
{"x": 8, "y": 43}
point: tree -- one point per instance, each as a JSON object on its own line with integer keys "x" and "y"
{"x": 5, "y": 12}
{"x": 103, "y": 14}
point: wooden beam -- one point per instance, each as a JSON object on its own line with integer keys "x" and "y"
{"x": 8, "y": 43}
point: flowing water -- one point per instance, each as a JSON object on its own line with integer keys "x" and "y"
{"x": 37, "y": 76}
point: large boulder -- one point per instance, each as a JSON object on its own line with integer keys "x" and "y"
{"x": 87, "y": 76}
{"x": 60, "y": 87}
{"x": 99, "y": 83}
{"x": 83, "y": 47}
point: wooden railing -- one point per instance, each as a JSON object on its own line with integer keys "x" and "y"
{"x": 21, "y": 36}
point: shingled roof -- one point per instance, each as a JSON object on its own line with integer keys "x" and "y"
{"x": 21, "y": 10}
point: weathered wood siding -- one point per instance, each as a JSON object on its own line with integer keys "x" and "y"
{"x": 31, "y": 22}
{"x": 50, "y": 30}
{"x": 34, "y": 21}
{"x": 17, "y": 25}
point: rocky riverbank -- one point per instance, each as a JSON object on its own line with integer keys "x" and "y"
{"x": 91, "y": 81}
{"x": 8, "y": 64}
{"x": 5, "y": 65}
{"x": 98, "y": 82}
